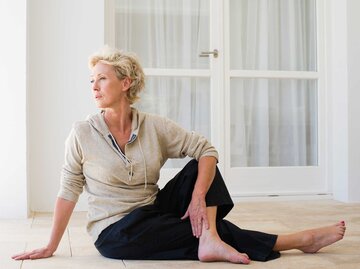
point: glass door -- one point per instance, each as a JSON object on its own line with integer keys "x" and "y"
{"x": 274, "y": 94}
{"x": 246, "y": 74}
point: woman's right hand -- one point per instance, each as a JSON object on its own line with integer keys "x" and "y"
{"x": 40, "y": 253}
{"x": 63, "y": 210}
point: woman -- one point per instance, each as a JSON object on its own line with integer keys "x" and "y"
{"x": 116, "y": 155}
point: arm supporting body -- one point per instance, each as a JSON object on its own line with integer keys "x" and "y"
{"x": 62, "y": 214}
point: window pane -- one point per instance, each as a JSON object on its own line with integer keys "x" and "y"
{"x": 184, "y": 100}
{"x": 273, "y": 122}
{"x": 273, "y": 35}
{"x": 164, "y": 34}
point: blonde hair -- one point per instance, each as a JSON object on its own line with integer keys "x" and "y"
{"x": 126, "y": 65}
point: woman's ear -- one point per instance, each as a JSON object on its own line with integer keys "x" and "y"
{"x": 126, "y": 83}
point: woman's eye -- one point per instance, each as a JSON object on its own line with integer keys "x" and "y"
{"x": 99, "y": 78}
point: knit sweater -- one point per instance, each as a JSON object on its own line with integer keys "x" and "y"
{"x": 118, "y": 183}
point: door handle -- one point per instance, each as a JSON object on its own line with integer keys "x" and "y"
{"x": 215, "y": 52}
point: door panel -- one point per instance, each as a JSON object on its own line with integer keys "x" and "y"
{"x": 273, "y": 35}
{"x": 273, "y": 98}
{"x": 164, "y": 34}
{"x": 273, "y": 122}
{"x": 168, "y": 36}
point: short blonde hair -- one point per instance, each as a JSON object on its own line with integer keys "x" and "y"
{"x": 126, "y": 65}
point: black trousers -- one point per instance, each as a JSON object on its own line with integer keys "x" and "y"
{"x": 156, "y": 232}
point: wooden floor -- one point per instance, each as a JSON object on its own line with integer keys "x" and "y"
{"x": 77, "y": 251}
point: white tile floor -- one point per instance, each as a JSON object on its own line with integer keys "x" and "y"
{"x": 77, "y": 251}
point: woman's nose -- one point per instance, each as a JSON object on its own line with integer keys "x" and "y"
{"x": 95, "y": 86}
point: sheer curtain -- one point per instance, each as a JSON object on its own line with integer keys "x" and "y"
{"x": 169, "y": 35}
{"x": 273, "y": 121}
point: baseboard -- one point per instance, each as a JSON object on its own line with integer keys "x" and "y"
{"x": 281, "y": 197}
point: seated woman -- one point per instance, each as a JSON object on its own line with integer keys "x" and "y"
{"x": 116, "y": 156}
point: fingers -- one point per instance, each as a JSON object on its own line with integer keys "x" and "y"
{"x": 186, "y": 215}
{"x": 198, "y": 216}
{"x": 22, "y": 256}
{"x": 193, "y": 222}
{"x": 196, "y": 227}
{"x": 35, "y": 254}
{"x": 15, "y": 256}
{"x": 198, "y": 224}
{"x": 199, "y": 228}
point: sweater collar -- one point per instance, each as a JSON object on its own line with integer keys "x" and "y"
{"x": 98, "y": 122}
{"x": 134, "y": 125}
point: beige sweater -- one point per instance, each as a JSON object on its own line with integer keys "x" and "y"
{"x": 117, "y": 184}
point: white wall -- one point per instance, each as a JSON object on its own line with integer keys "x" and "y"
{"x": 13, "y": 182}
{"x": 344, "y": 97}
{"x": 353, "y": 20}
{"x": 337, "y": 91}
{"x": 62, "y": 34}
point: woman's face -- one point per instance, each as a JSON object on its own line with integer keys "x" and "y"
{"x": 108, "y": 90}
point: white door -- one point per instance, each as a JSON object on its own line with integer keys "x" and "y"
{"x": 258, "y": 99}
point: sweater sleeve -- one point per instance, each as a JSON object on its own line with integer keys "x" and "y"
{"x": 72, "y": 178}
{"x": 181, "y": 143}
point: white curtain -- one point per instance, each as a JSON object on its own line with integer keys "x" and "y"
{"x": 164, "y": 34}
{"x": 169, "y": 34}
{"x": 273, "y": 121}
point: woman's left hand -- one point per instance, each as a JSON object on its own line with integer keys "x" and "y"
{"x": 197, "y": 214}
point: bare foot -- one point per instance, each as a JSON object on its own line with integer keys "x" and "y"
{"x": 212, "y": 248}
{"x": 316, "y": 239}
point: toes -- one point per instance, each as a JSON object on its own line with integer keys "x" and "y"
{"x": 244, "y": 259}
